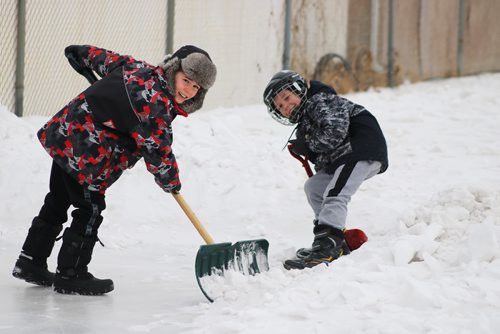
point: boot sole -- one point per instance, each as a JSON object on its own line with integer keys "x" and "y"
{"x": 67, "y": 291}
{"x": 61, "y": 286}
{"x": 292, "y": 266}
{"x": 301, "y": 264}
{"x": 32, "y": 280}
{"x": 19, "y": 273}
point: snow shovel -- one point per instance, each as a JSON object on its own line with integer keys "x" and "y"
{"x": 213, "y": 259}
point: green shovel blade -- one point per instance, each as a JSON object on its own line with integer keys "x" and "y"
{"x": 248, "y": 257}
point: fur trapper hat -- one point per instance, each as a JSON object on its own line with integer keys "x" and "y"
{"x": 197, "y": 65}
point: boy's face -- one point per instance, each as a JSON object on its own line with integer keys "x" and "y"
{"x": 286, "y": 101}
{"x": 185, "y": 88}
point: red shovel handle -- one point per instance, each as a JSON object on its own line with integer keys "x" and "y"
{"x": 303, "y": 161}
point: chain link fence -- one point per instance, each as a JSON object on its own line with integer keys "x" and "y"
{"x": 232, "y": 32}
{"x": 49, "y": 26}
{"x": 350, "y": 44}
{"x": 8, "y": 52}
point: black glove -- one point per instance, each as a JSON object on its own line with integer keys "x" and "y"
{"x": 70, "y": 53}
{"x": 299, "y": 147}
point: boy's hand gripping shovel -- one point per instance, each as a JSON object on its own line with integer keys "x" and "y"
{"x": 248, "y": 257}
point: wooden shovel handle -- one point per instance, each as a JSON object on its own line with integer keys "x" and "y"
{"x": 192, "y": 217}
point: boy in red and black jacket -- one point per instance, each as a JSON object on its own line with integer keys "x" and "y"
{"x": 123, "y": 117}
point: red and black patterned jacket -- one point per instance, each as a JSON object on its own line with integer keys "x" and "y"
{"x": 115, "y": 122}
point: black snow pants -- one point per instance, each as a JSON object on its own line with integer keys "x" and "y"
{"x": 66, "y": 191}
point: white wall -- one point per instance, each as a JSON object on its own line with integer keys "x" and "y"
{"x": 243, "y": 38}
{"x": 319, "y": 27}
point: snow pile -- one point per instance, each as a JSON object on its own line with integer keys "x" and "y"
{"x": 431, "y": 265}
{"x": 457, "y": 227}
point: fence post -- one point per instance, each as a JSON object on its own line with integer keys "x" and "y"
{"x": 390, "y": 46}
{"x": 170, "y": 26}
{"x": 20, "y": 46}
{"x": 288, "y": 30}
{"x": 460, "y": 45}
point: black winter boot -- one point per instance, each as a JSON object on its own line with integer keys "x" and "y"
{"x": 303, "y": 253}
{"x": 328, "y": 245}
{"x": 31, "y": 266}
{"x": 72, "y": 276}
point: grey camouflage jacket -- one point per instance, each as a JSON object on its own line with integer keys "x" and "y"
{"x": 339, "y": 131}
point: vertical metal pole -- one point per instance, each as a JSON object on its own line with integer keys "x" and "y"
{"x": 460, "y": 42}
{"x": 288, "y": 31}
{"x": 20, "y": 47}
{"x": 170, "y": 26}
{"x": 390, "y": 46}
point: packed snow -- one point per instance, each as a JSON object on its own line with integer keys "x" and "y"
{"x": 431, "y": 265}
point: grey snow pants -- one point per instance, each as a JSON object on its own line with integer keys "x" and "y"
{"x": 329, "y": 194}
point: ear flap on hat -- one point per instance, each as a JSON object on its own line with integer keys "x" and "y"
{"x": 195, "y": 103}
{"x": 170, "y": 66}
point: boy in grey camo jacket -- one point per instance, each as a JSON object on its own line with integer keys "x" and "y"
{"x": 346, "y": 145}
